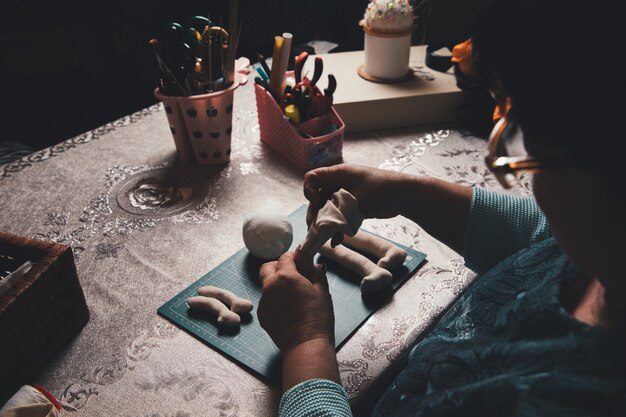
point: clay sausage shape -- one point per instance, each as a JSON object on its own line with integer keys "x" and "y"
{"x": 237, "y": 304}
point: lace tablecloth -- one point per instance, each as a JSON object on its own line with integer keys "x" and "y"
{"x": 135, "y": 249}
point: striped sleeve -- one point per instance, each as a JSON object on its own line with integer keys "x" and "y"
{"x": 498, "y": 226}
{"x": 315, "y": 398}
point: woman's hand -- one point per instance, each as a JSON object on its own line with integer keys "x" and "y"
{"x": 297, "y": 312}
{"x": 439, "y": 207}
{"x": 293, "y": 308}
{"x": 380, "y": 193}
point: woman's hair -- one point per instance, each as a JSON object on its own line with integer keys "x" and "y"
{"x": 558, "y": 61}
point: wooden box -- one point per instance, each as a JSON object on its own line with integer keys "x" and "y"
{"x": 41, "y": 313}
{"x": 365, "y": 105}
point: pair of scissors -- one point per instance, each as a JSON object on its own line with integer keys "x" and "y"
{"x": 194, "y": 26}
{"x": 179, "y": 49}
{"x": 177, "y": 59}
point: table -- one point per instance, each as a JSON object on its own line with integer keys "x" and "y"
{"x": 128, "y": 361}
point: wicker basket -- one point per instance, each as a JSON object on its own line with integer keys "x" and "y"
{"x": 41, "y": 313}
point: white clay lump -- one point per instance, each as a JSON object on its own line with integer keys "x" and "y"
{"x": 267, "y": 234}
{"x": 221, "y": 303}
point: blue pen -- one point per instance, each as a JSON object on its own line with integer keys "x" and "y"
{"x": 262, "y": 73}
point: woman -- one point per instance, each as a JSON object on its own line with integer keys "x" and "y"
{"x": 543, "y": 326}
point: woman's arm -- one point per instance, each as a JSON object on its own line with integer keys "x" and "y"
{"x": 438, "y": 206}
{"x": 483, "y": 226}
{"x": 314, "y": 359}
{"x": 499, "y": 225}
{"x": 297, "y": 313}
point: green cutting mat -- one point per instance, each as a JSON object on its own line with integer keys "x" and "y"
{"x": 250, "y": 345}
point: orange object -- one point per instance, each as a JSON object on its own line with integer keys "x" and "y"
{"x": 501, "y": 109}
{"x": 462, "y": 55}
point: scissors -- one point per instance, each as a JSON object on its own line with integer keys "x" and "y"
{"x": 176, "y": 60}
{"x": 194, "y": 27}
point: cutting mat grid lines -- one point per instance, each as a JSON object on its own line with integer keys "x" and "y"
{"x": 250, "y": 345}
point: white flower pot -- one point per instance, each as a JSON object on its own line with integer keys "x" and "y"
{"x": 387, "y": 55}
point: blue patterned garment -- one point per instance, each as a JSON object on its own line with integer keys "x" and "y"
{"x": 507, "y": 347}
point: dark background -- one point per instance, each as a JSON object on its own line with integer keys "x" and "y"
{"x": 67, "y": 67}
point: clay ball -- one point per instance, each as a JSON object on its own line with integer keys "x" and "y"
{"x": 267, "y": 234}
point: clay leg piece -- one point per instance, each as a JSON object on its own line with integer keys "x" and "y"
{"x": 216, "y": 307}
{"x": 390, "y": 256}
{"x": 237, "y": 304}
{"x": 375, "y": 278}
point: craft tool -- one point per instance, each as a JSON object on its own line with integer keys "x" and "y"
{"x": 284, "y": 60}
{"x": 292, "y": 112}
{"x": 280, "y": 58}
{"x": 261, "y": 73}
{"x": 263, "y": 83}
{"x": 229, "y": 71}
{"x": 169, "y": 81}
{"x": 319, "y": 68}
{"x": 261, "y": 59}
{"x": 232, "y": 43}
{"x": 287, "y": 99}
{"x": 212, "y": 48}
{"x": 275, "y": 75}
{"x": 299, "y": 65}
{"x": 194, "y": 27}
{"x": 198, "y": 23}
{"x": 197, "y": 57}
{"x": 322, "y": 103}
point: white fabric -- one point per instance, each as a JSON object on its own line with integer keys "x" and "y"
{"x": 28, "y": 402}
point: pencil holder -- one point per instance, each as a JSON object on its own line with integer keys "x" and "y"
{"x": 201, "y": 125}
{"x": 306, "y": 152}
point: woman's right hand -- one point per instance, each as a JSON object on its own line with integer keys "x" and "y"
{"x": 380, "y": 193}
{"x": 294, "y": 308}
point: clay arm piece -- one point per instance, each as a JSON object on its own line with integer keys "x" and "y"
{"x": 390, "y": 256}
{"x": 216, "y": 307}
{"x": 374, "y": 279}
{"x": 237, "y": 304}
